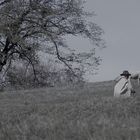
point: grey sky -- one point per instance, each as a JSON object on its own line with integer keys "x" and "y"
{"x": 120, "y": 20}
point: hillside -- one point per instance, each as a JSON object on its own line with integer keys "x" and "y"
{"x": 85, "y": 113}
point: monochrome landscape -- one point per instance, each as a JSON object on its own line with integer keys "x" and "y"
{"x": 58, "y": 64}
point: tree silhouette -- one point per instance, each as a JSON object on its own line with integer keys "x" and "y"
{"x": 29, "y": 26}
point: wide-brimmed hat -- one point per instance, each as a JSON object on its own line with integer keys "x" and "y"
{"x": 125, "y": 73}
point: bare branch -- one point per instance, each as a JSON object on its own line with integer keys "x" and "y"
{"x": 4, "y": 2}
{"x": 2, "y": 43}
{"x": 30, "y": 62}
{"x": 8, "y": 67}
{"x": 61, "y": 58}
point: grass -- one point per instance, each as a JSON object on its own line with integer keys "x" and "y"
{"x": 89, "y": 113}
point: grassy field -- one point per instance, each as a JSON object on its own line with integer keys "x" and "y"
{"x": 86, "y": 113}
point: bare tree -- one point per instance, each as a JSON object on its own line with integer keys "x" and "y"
{"x": 29, "y": 26}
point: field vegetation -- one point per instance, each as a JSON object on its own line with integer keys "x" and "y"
{"x": 69, "y": 113}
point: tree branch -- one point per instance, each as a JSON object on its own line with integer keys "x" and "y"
{"x": 30, "y": 62}
{"x": 61, "y": 58}
{"x": 2, "y": 43}
{"x": 10, "y": 62}
{"x": 4, "y": 2}
{"x": 7, "y": 43}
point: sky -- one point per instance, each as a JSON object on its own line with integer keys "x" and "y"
{"x": 120, "y": 20}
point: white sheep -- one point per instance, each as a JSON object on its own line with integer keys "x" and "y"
{"x": 136, "y": 76}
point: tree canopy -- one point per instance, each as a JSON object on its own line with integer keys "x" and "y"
{"x": 29, "y": 26}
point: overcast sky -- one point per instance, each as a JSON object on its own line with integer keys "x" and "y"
{"x": 120, "y": 20}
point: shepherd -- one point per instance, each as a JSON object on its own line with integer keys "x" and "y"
{"x": 123, "y": 87}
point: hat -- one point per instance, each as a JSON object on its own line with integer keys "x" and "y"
{"x": 125, "y": 73}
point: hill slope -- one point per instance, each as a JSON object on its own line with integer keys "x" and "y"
{"x": 88, "y": 113}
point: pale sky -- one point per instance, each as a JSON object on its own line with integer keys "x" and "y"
{"x": 120, "y": 20}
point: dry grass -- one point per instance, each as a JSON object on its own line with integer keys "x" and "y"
{"x": 89, "y": 113}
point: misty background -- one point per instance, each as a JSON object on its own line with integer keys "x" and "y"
{"x": 120, "y": 21}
